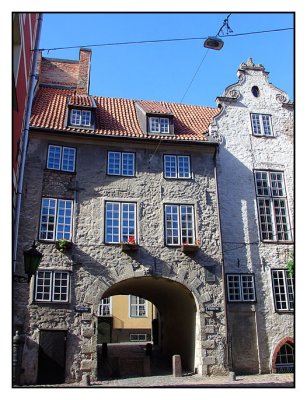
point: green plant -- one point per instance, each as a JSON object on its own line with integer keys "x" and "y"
{"x": 290, "y": 265}
{"x": 63, "y": 245}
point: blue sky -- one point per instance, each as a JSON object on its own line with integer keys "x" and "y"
{"x": 164, "y": 71}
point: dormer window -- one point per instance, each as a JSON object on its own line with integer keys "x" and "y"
{"x": 159, "y": 125}
{"x": 80, "y": 117}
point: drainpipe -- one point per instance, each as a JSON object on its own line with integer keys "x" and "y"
{"x": 32, "y": 83}
{"x": 229, "y": 355}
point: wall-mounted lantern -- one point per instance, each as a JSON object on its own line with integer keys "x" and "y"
{"x": 32, "y": 259}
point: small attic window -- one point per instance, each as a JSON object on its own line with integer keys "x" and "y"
{"x": 158, "y": 125}
{"x": 255, "y": 91}
{"x": 80, "y": 117}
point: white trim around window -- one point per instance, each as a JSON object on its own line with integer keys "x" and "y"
{"x": 120, "y": 222}
{"x": 55, "y": 219}
{"x": 177, "y": 166}
{"x": 138, "y": 307}
{"x": 261, "y": 125}
{"x": 179, "y": 224}
{"x": 159, "y": 125}
{"x": 240, "y": 288}
{"x": 105, "y": 307}
{"x": 61, "y": 158}
{"x": 283, "y": 290}
{"x": 273, "y": 213}
{"x": 121, "y": 163}
{"x": 52, "y": 286}
{"x": 80, "y": 117}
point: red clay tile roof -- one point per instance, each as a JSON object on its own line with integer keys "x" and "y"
{"x": 117, "y": 117}
{"x": 81, "y": 100}
{"x": 154, "y": 107}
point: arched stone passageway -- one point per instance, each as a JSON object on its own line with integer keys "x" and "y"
{"x": 177, "y": 309}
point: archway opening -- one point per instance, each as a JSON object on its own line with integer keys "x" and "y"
{"x": 176, "y": 315}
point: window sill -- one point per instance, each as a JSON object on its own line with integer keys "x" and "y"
{"x": 59, "y": 171}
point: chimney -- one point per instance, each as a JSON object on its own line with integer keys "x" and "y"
{"x": 84, "y": 71}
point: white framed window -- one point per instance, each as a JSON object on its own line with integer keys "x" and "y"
{"x": 240, "y": 287}
{"x": 52, "y": 286}
{"x": 137, "y": 307}
{"x": 177, "y": 166}
{"x": 105, "y": 307}
{"x": 80, "y": 117}
{"x": 179, "y": 224}
{"x": 121, "y": 163}
{"x": 272, "y": 206}
{"x": 138, "y": 337}
{"x": 61, "y": 158}
{"x": 120, "y": 222}
{"x": 261, "y": 124}
{"x": 158, "y": 125}
{"x": 56, "y": 219}
{"x": 283, "y": 290}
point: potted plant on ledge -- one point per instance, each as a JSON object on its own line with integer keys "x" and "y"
{"x": 190, "y": 247}
{"x": 130, "y": 245}
{"x": 63, "y": 245}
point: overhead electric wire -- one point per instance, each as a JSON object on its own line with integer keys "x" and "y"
{"x": 158, "y": 40}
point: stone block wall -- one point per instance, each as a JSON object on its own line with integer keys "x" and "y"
{"x": 95, "y": 266}
{"x": 240, "y": 154}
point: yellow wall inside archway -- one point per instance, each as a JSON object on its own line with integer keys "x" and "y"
{"x": 177, "y": 311}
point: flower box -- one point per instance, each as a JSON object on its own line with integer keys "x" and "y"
{"x": 189, "y": 248}
{"x": 129, "y": 246}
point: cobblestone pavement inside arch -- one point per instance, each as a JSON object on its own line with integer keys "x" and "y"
{"x": 269, "y": 380}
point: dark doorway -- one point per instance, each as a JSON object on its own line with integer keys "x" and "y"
{"x": 51, "y": 357}
{"x": 104, "y": 334}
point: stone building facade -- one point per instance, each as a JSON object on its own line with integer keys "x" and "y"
{"x": 255, "y": 180}
{"x": 130, "y": 186}
{"x": 188, "y": 207}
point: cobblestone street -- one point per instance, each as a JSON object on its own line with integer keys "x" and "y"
{"x": 190, "y": 381}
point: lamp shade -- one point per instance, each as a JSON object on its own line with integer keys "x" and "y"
{"x": 214, "y": 43}
{"x": 32, "y": 259}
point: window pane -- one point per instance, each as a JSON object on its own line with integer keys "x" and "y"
{"x": 164, "y": 125}
{"x": 265, "y": 214}
{"x": 86, "y": 118}
{"x": 128, "y": 164}
{"x": 64, "y": 228}
{"x": 283, "y": 290}
{"x": 256, "y": 124}
{"x": 43, "y": 286}
{"x": 54, "y": 157}
{"x": 184, "y": 167}
{"x": 114, "y": 163}
{"x": 75, "y": 117}
{"x": 112, "y": 222}
{"x": 68, "y": 159}
{"x": 266, "y": 122}
{"x": 47, "y": 224}
{"x": 187, "y": 228}
{"x": 60, "y": 286}
{"x": 154, "y": 125}
{"x": 170, "y": 166}
{"x": 248, "y": 289}
{"x": 172, "y": 224}
{"x": 128, "y": 222}
{"x": 262, "y": 183}
{"x": 233, "y": 288}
